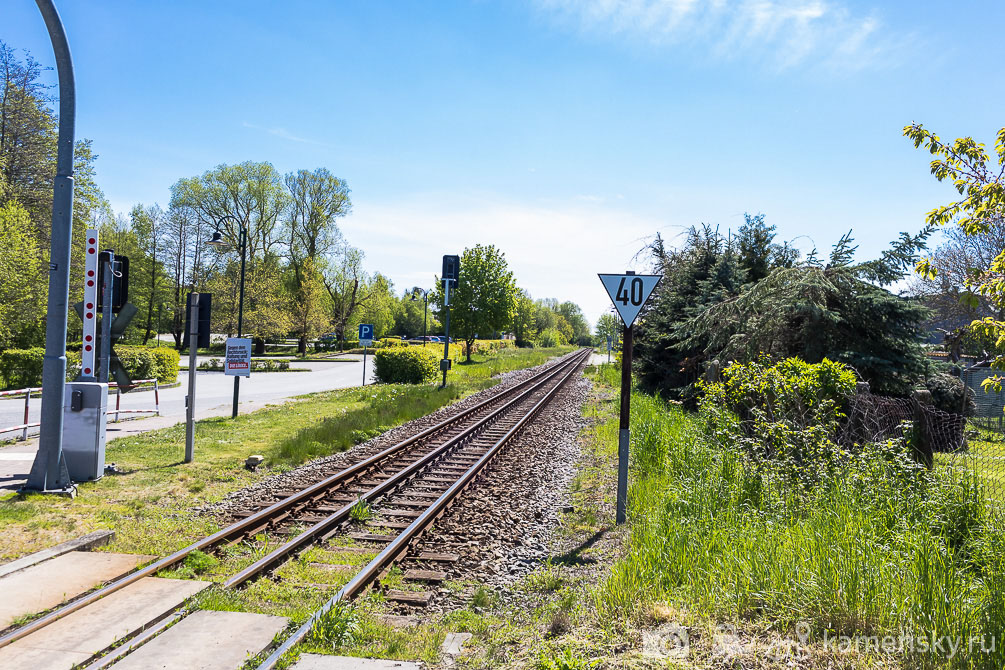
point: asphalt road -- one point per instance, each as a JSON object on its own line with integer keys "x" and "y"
{"x": 214, "y": 397}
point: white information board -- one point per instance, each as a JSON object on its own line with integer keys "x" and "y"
{"x": 238, "y": 359}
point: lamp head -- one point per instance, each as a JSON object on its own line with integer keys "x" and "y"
{"x": 218, "y": 241}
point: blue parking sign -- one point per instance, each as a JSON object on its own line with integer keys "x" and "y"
{"x": 365, "y": 334}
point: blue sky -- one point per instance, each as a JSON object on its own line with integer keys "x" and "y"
{"x": 565, "y": 132}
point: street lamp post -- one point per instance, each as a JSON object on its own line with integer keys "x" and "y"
{"x": 48, "y": 471}
{"x": 220, "y": 243}
{"x": 425, "y": 308}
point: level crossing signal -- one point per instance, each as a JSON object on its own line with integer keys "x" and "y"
{"x": 120, "y": 287}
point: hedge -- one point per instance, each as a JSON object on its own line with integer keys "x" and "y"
{"x": 405, "y": 365}
{"x": 391, "y": 342}
{"x": 489, "y": 346}
{"x": 21, "y": 368}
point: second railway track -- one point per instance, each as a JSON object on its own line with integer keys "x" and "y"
{"x": 407, "y": 486}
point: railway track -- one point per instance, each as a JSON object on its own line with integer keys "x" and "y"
{"x": 408, "y": 486}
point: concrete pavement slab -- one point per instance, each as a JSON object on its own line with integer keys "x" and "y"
{"x": 78, "y": 636}
{"x": 51, "y": 582}
{"x": 206, "y": 641}
{"x": 453, "y": 642}
{"x": 322, "y": 662}
{"x": 84, "y": 543}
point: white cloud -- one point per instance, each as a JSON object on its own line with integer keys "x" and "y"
{"x": 281, "y": 133}
{"x": 554, "y": 249}
{"x": 780, "y": 33}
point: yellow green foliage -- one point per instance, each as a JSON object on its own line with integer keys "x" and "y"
{"x": 405, "y": 365}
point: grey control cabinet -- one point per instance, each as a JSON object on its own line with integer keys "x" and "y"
{"x": 84, "y": 407}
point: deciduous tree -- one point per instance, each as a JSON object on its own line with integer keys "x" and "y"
{"x": 485, "y": 297}
{"x": 979, "y": 179}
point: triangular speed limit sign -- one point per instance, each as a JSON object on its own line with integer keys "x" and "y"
{"x": 629, "y": 293}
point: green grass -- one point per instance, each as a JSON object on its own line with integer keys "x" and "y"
{"x": 984, "y": 458}
{"x": 149, "y": 505}
{"x": 882, "y": 547}
{"x": 361, "y": 511}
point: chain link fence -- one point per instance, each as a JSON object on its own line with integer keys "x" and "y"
{"x": 944, "y": 439}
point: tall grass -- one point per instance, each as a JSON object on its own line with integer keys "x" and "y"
{"x": 881, "y": 547}
{"x": 371, "y": 411}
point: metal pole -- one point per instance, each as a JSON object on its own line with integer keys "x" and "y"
{"x": 240, "y": 315}
{"x": 193, "y": 341}
{"x": 446, "y": 328}
{"x": 425, "y": 312}
{"x": 107, "y": 289}
{"x": 364, "y": 366}
{"x": 27, "y": 401}
{"x": 48, "y": 471}
{"x": 624, "y": 424}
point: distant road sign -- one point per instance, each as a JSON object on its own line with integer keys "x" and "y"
{"x": 365, "y": 334}
{"x": 629, "y": 293}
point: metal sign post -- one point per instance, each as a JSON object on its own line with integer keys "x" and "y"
{"x": 107, "y": 289}
{"x": 366, "y": 339}
{"x": 610, "y": 341}
{"x": 193, "y": 343}
{"x": 629, "y": 293}
{"x": 451, "y": 274}
{"x": 445, "y": 363}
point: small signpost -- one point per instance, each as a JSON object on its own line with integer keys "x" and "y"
{"x": 365, "y": 339}
{"x": 193, "y": 365}
{"x": 629, "y": 293}
{"x": 451, "y": 274}
{"x": 610, "y": 341}
{"x": 238, "y": 359}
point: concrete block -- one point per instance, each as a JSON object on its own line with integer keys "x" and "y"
{"x": 453, "y": 642}
{"x": 65, "y": 643}
{"x": 321, "y": 662}
{"x": 90, "y": 541}
{"x": 206, "y": 640}
{"x": 49, "y": 583}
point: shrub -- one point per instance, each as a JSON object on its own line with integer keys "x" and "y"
{"x": 405, "y": 365}
{"x": 550, "y": 337}
{"x": 391, "y": 342}
{"x": 166, "y": 363}
{"x": 947, "y": 394}
{"x": 137, "y": 362}
{"x": 788, "y": 412}
{"x": 21, "y": 368}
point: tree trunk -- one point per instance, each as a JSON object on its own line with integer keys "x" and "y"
{"x": 259, "y": 345}
{"x": 150, "y": 302}
{"x": 302, "y": 345}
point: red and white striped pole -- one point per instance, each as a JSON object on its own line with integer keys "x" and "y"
{"x": 88, "y": 371}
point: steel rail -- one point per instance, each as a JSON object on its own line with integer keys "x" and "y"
{"x": 322, "y": 528}
{"x": 393, "y": 550}
{"x": 264, "y": 516}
